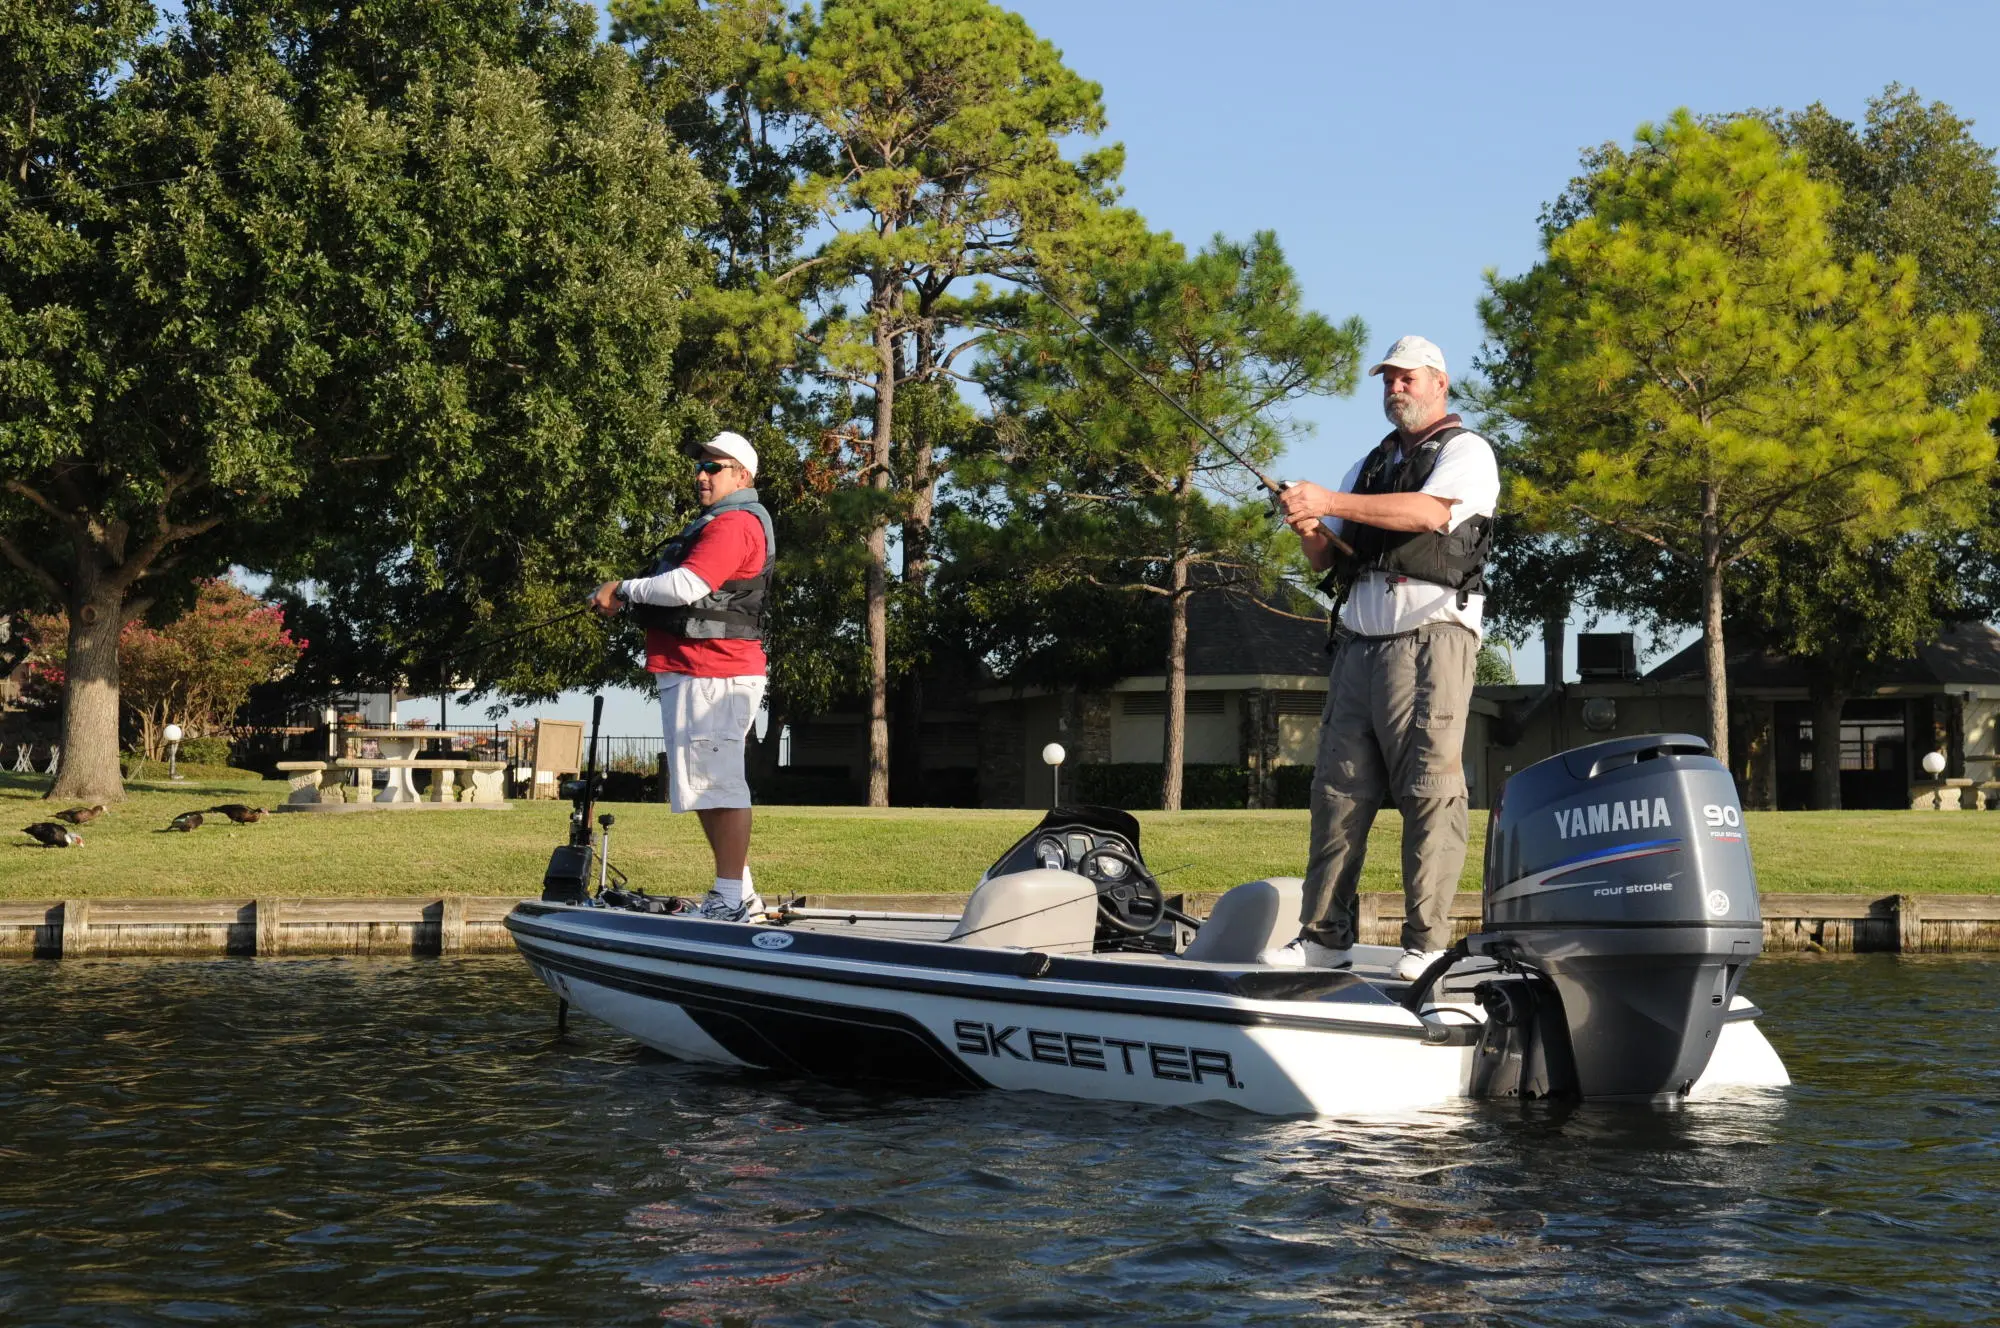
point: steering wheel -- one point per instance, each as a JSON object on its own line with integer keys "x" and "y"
{"x": 1145, "y": 891}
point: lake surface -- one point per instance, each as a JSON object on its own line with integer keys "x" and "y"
{"x": 291, "y": 1141}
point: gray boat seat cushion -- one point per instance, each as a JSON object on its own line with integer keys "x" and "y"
{"x": 1248, "y": 920}
{"x": 1043, "y": 909}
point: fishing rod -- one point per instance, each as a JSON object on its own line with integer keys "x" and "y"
{"x": 1273, "y": 487}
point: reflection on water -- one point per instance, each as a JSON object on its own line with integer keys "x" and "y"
{"x": 409, "y": 1142}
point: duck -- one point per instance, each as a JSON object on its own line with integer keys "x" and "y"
{"x": 51, "y": 835}
{"x": 185, "y": 822}
{"x": 81, "y": 815}
{"x": 239, "y": 813}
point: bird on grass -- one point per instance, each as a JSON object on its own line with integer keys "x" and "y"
{"x": 81, "y": 815}
{"x": 239, "y": 813}
{"x": 51, "y": 835}
{"x": 185, "y": 822}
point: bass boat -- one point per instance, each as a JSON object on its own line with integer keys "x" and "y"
{"x": 1619, "y": 914}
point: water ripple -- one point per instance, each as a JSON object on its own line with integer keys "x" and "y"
{"x": 394, "y": 1142}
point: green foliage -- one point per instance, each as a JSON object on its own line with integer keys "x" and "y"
{"x": 1492, "y": 668}
{"x": 938, "y": 128}
{"x": 1094, "y": 483}
{"x": 1099, "y": 480}
{"x": 195, "y": 670}
{"x": 386, "y": 297}
{"x": 1913, "y": 182}
{"x": 1135, "y": 785}
{"x": 1696, "y": 369}
{"x": 195, "y": 751}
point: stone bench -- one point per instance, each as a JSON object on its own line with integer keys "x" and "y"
{"x": 485, "y": 780}
{"x": 1945, "y": 795}
{"x": 304, "y": 777}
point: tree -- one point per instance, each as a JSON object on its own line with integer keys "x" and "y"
{"x": 1708, "y": 378}
{"x": 1113, "y": 484}
{"x": 941, "y": 124}
{"x": 1914, "y": 184}
{"x": 1493, "y": 668}
{"x": 195, "y": 671}
{"x": 283, "y": 284}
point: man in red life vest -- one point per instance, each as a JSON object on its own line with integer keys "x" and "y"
{"x": 703, "y": 610}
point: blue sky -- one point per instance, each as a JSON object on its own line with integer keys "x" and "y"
{"x": 1400, "y": 153}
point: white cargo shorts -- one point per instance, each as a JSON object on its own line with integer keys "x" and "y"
{"x": 705, "y": 722}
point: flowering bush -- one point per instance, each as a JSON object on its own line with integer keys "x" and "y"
{"x": 196, "y": 671}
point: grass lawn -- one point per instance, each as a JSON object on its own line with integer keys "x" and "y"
{"x": 820, "y": 850}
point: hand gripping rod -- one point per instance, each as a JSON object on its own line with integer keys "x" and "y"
{"x": 1272, "y": 487}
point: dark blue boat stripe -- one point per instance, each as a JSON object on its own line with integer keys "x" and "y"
{"x": 1024, "y": 994}
{"x": 752, "y": 1010}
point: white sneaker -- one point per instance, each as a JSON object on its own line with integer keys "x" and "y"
{"x": 715, "y": 909}
{"x": 1304, "y": 953}
{"x": 1413, "y": 963}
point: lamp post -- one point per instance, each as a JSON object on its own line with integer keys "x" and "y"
{"x": 172, "y": 733}
{"x": 1053, "y": 755}
{"x": 1934, "y": 767}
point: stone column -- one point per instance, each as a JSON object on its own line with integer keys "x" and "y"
{"x": 1259, "y": 745}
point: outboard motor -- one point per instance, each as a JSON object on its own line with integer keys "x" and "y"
{"x": 1620, "y": 872}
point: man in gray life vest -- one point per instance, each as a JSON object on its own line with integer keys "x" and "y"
{"x": 703, "y": 610}
{"x": 1418, "y": 511}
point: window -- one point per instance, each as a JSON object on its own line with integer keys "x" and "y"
{"x": 1865, "y": 744}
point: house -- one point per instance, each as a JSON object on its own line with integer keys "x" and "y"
{"x": 1256, "y": 687}
{"x": 1944, "y": 700}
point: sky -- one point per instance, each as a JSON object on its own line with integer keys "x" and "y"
{"x": 1401, "y": 153}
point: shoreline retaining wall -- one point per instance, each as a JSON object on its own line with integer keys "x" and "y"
{"x": 460, "y": 924}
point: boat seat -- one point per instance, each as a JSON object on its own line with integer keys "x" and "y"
{"x": 1044, "y": 909}
{"x": 1248, "y": 920}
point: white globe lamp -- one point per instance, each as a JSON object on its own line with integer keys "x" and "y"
{"x": 172, "y": 733}
{"x": 1933, "y": 764}
{"x": 1052, "y": 756}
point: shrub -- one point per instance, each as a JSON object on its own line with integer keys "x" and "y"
{"x": 205, "y": 751}
{"x": 1135, "y": 786}
{"x": 1292, "y": 786}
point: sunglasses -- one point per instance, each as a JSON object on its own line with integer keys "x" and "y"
{"x": 713, "y": 467}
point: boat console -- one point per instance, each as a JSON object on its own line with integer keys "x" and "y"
{"x": 1101, "y": 844}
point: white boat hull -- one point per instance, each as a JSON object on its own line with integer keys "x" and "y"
{"x": 1166, "y": 1032}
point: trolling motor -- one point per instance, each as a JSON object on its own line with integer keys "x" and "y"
{"x": 567, "y": 881}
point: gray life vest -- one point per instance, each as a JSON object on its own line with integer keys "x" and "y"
{"x": 1455, "y": 559}
{"x": 734, "y": 609}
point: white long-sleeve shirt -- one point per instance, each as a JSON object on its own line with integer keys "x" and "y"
{"x": 668, "y": 590}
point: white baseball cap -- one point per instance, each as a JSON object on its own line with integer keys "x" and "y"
{"x": 736, "y": 447}
{"x": 1412, "y": 353}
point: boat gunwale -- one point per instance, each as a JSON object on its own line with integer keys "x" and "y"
{"x": 1199, "y": 1005}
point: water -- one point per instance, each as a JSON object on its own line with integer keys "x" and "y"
{"x": 408, "y": 1142}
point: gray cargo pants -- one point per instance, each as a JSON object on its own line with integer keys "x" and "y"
{"x": 1394, "y": 725}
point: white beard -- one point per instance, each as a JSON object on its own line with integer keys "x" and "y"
{"x": 1403, "y": 412}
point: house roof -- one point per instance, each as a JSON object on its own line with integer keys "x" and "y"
{"x": 1231, "y": 632}
{"x": 1964, "y": 655}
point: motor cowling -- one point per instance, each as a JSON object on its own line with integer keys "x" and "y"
{"x": 1621, "y": 871}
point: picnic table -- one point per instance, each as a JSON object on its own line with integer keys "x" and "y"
{"x": 398, "y": 757}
